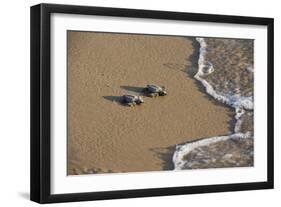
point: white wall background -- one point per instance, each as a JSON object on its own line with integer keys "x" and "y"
{"x": 14, "y": 102}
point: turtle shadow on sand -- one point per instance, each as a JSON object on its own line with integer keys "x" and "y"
{"x": 115, "y": 99}
{"x": 134, "y": 89}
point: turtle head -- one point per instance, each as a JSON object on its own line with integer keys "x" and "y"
{"x": 140, "y": 100}
{"x": 162, "y": 93}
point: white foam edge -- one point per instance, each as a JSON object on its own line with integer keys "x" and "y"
{"x": 236, "y": 101}
{"x": 182, "y": 150}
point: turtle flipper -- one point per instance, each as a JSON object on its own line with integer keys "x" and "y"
{"x": 153, "y": 95}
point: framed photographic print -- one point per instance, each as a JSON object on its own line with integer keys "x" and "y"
{"x": 132, "y": 103}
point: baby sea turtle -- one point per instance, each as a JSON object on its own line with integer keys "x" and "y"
{"x": 132, "y": 100}
{"x": 155, "y": 90}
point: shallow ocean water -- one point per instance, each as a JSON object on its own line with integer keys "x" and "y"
{"x": 226, "y": 70}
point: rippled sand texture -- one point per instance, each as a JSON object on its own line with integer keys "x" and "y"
{"x": 106, "y": 136}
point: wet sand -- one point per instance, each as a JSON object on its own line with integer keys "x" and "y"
{"x": 106, "y": 136}
{"x": 233, "y": 60}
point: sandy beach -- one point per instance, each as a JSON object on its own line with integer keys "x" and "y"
{"x": 106, "y": 136}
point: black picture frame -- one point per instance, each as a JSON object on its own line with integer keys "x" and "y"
{"x": 40, "y": 184}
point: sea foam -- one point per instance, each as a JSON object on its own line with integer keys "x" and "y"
{"x": 238, "y": 102}
{"x": 183, "y": 150}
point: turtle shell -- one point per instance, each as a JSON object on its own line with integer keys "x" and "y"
{"x": 130, "y": 98}
{"x": 154, "y": 88}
